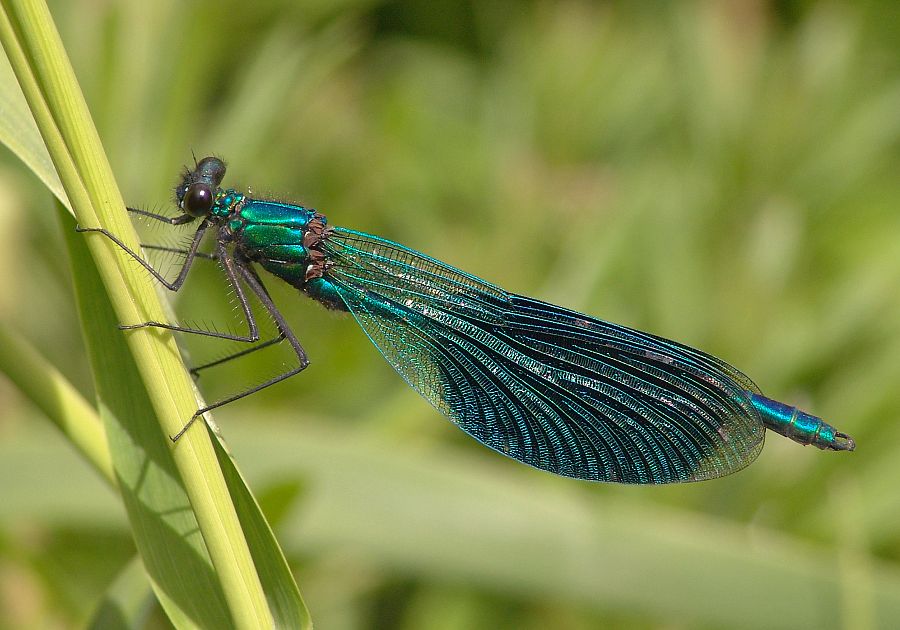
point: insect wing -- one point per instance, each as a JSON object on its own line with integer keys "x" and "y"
{"x": 550, "y": 387}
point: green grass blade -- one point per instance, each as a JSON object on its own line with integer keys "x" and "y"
{"x": 35, "y": 51}
{"x": 128, "y": 601}
{"x": 42, "y": 68}
{"x": 49, "y": 390}
{"x": 21, "y": 135}
{"x": 166, "y": 530}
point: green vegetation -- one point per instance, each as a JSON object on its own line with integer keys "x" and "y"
{"x": 724, "y": 174}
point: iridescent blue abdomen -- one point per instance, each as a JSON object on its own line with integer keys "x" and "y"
{"x": 800, "y": 426}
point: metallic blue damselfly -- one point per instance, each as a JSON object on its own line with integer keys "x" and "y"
{"x": 555, "y": 389}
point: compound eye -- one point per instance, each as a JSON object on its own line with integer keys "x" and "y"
{"x": 198, "y": 200}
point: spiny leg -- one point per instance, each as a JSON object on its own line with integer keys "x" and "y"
{"x": 229, "y": 265}
{"x": 192, "y": 254}
{"x": 177, "y": 250}
{"x": 253, "y": 281}
{"x": 176, "y": 284}
{"x": 242, "y": 353}
{"x": 195, "y": 371}
{"x": 179, "y": 220}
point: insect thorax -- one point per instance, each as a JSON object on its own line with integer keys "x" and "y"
{"x": 285, "y": 239}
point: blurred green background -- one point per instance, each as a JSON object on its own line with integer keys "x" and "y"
{"x": 721, "y": 173}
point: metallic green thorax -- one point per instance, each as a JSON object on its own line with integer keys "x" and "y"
{"x": 283, "y": 238}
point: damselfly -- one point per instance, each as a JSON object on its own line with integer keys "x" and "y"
{"x": 555, "y": 389}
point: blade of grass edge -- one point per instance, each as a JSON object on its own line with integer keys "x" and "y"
{"x": 56, "y": 397}
{"x": 81, "y": 163}
{"x": 127, "y": 602}
{"x": 36, "y": 55}
{"x": 219, "y": 529}
{"x": 20, "y": 134}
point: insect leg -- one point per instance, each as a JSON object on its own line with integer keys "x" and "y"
{"x": 188, "y": 261}
{"x": 265, "y": 344}
{"x": 229, "y": 265}
{"x": 253, "y": 281}
{"x": 176, "y": 250}
{"x": 195, "y": 371}
{"x": 179, "y": 220}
